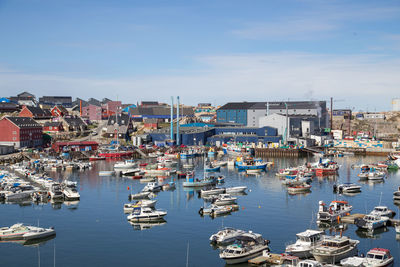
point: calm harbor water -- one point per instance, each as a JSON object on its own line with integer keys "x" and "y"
{"x": 95, "y": 232}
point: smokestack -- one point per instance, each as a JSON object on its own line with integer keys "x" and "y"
{"x": 172, "y": 118}
{"x": 177, "y": 122}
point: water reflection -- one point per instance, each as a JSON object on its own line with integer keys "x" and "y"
{"x": 374, "y": 234}
{"x": 146, "y": 225}
{"x": 32, "y": 242}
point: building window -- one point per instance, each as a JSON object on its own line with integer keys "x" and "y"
{"x": 14, "y": 138}
{"x": 14, "y": 132}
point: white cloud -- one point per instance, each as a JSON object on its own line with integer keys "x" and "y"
{"x": 362, "y": 80}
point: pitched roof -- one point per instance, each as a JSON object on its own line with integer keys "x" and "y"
{"x": 160, "y": 111}
{"x": 23, "y": 122}
{"x": 52, "y": 123}
{"x": 39, "y": 112}
{"x": 121, "y": 119}
{"x": 61, "y": 108}
{"x": 74, "y": 121}
{"x": 237, "y": 105}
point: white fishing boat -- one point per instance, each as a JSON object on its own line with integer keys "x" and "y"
{"x": 152, "y": 187}
{"x": 371, "y": 222}
{"x": 336, "y": 209}
{"x": 347, "y": 188}
{"x": 305, "y": 242}
{"x": 71, "y": 193}
{"x": 376, "y": 176}
{"x": 143, "y": 214}
{"x": 299, "y": 188}
{"x": 378, "y": 257}
{"x": 226, "y": 236}
{"x": 246, "y": 247}
{"x": 128, "y": 208}
{"x": 383, "y": 211}
{"x": 124, "y": 165}
{"x": 131, "y": 172}
{"x": 225, "y": 199}
{"x": 333, "y": 249}
{"x": 236, "y": 189}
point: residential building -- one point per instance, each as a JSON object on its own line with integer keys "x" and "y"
{"x": 121, "y": 125}
{"x": 24, "y": 99}
{"x": 53, "y": 127}
{"x": 150, "y": 123}
{"x": 92, "y": 112}
{"x": 59, "y": 111}
{"x": 111, "y": 108}
{"x": 73, "y": 124}
{"x": 20, "y": 132}
{"x": 65, "y": 101}
{"x": 8, "y": 107}
{"x": 36, "y": 113}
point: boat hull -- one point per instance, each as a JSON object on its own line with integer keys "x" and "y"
{"x": 334, "y": 258}
{"x": 246, "y": 257}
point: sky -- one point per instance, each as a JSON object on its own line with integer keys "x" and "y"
{"x": 203, "y": 51}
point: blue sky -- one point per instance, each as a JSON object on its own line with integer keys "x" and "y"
{"x": 204, "y": 51}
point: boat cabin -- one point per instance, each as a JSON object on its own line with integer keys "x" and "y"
{"x": 310, "y": 236}
{"x": 381, "y": 254}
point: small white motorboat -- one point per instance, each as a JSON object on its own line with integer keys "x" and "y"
{"x": 226, "y": 236}
{"x": 225, "y": 199}
{"x": 144, "y": 214}
{"x": 71, "y": 193}
{"x": 347, "y": 188}
{"x": 236, "y": 189}
{"x": 140, "y": 195}
{"x": 128, "y": 208}
{"x": 299, "y": 188}
{"x": 253, "y": 171}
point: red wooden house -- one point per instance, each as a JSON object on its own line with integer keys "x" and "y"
{"x": 20, "y": 132}
{"x": 53, "y": 127}
{"x": 59, "y": 111}
{"x": 35, "y": 113}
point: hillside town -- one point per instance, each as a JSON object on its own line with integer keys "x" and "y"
{"x": 45, "y": 122}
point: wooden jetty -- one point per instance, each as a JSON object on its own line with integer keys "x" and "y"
{"x": 271, "y": 258}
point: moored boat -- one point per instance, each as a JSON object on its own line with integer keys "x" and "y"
{"x": 305, "y": 242}
{"x": 246, "y": 247}
{"x": 378, "y": 257}
{"x": 333, "y": 249}
{"x": 226, "y": 236}
{"x": 144, "y": 214}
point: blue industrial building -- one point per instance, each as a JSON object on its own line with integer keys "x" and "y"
{"x": 206, "y": 135}
{"x": 234, "y": 112}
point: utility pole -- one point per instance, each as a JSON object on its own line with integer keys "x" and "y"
{"x": 177, "y": 123}
{"x": 172, "y": 119}
{"x": 287, "y": 124}
{"x": 331, "y": 114}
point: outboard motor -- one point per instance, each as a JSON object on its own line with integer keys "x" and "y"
{"x": 334, "y": 188}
